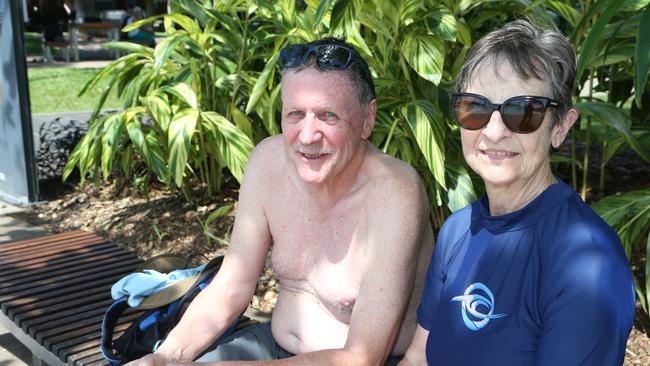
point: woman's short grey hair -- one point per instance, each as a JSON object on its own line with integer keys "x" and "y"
{"x": 531, "y": 52}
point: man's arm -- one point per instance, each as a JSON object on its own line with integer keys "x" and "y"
{"x": 221, "y": 302}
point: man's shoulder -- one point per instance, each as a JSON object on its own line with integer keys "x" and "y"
{"x": 390, "y": 170}
{"x": 393, "y": 183}
{"x": 267, "y": 153}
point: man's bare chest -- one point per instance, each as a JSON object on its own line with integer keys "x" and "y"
{"x": 322, "y": 253}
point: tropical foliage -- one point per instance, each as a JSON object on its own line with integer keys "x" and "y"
{"x": 197, "y": 102}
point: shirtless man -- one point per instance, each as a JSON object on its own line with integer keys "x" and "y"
{"x": 348, "y": 226}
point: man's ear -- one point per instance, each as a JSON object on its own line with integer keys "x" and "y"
{"x": 561, "y": 129}
{"x": 369, "y": 119}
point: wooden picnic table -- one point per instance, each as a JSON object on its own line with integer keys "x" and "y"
{"x": 111, "y": 28}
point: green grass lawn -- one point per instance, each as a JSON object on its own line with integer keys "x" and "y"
{"x": 55, "y": 89}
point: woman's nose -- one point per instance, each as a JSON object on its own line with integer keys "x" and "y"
{"x": 496, "y": 128}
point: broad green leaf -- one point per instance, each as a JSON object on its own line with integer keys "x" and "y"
{"x": 425, "y": 54}
{"x": 129, "y": 47}
{"x": 608, "y": 114}
{"x": 108, "y": 72}
{"x": 165, "y": 48}
{"x": 140, "y": 23}
{"x": 111, "y": 138}
{"x": 270, "y": 121}
{"x": 242, "y": 121}
{"x": 197, "y": 10}
{"x": 135, "y": 87}
{"x": 135, "y": 133}
{"x": 429, "y": 144}
{"x": 409, "y": 9}
{"x": 234, "y": 146}
{"x": 460, "y": 190}
{"x": 610, "y": 56}
{"x": 127, "y": 75}
{"x": 185, "y": 22}
{"x": 635, "y": 5}
{"x": 343, "y": 13}
{"x": 185, "y": 93}
{"x": 159, "y": 110}
{"x": 372, "y": 20}
{"x": 154, "y": 157}
{"x": 566, "y": 11}
{"x": 126, "y": 160}
{"x": 590, "y": 43}
{"x": 261, "y": 84}
{"x": 621, "y": 210}
{"x": 288, "y": 10}
{"x": 442, "y": 23}
{"x": 642, "y": 56}
{"x": 181, "y": 129}
{"x": 323, "y": 8}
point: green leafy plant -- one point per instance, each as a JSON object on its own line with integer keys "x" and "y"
{"x": 629, "y": 214}
{"x": 181, "y": 119}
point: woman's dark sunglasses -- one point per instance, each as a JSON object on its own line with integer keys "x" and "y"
{"x": 521, "y": 114}
{"x": 328, "y": 56}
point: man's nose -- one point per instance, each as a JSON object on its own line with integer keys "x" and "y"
{"x": 310, "y": 131}
{"x": 496, "y": 128}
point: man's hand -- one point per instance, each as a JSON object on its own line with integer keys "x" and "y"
{"x": 153, "y": 359}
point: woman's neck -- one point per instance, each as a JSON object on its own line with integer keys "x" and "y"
{"x": 504, "y": 199}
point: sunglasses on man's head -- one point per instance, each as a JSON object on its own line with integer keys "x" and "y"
{"x": 328, "y": 56}
{"x": 520, "y": 114}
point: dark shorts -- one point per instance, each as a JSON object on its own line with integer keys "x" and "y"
{"x": 254, "y": 343}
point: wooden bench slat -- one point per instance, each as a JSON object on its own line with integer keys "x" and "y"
{"x": 59, "y": 272}
{"x": 121, "y": 325}
{"x": 45, "y": 254}
{"x": 64, "y": 286}
{"x": 89, "y": 291}
{"x": 47, "y": 240}
{"x": 26, "y": 269}
{"x": 57, "y": 295}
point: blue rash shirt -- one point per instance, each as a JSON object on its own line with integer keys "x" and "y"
{"x": 548, "y": 284}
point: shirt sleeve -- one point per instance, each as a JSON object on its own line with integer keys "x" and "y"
{"x": 588, "y": 312}
{"x": 433, "y": 285}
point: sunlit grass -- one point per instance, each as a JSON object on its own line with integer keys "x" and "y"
{"x": 55, "y": 89}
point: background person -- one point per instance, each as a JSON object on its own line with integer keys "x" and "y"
{"x": 143, "y": 34}
{"x": 348, "y": 225}
{"x": 528, "y": 274}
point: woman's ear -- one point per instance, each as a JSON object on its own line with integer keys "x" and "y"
{"x": 561, "y": 129}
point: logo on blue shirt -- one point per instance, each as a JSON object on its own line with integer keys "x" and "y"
{"x": 477, "y": 306}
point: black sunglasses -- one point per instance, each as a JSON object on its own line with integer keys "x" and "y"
{"x": 328, "y": 56}
{"x": 521, "y": 114}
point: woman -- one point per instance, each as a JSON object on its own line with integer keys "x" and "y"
{"x": 528, "y": 274}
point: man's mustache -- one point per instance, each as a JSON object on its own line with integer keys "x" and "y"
{"x": 312, "y": 149}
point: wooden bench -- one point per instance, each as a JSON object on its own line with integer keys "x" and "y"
{"x": 54, "y": 291}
